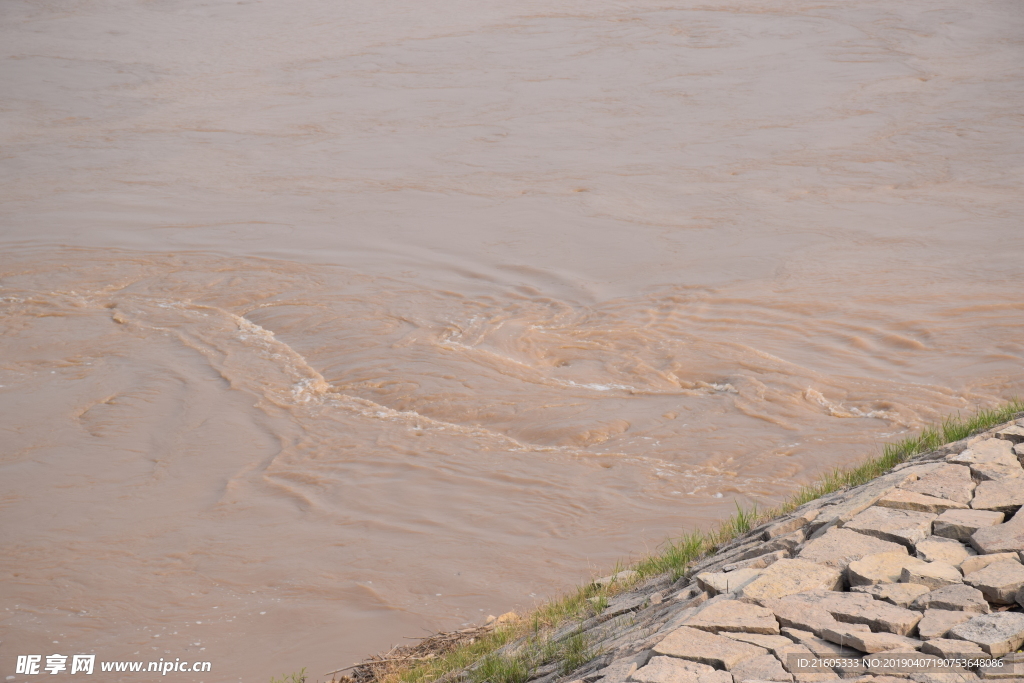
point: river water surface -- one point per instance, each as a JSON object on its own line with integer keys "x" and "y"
{"x": 326, "y": 324}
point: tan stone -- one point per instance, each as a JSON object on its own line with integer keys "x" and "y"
{"x": 726, "y": 582}
{"x": 794, "y": 615}
{"x": 939, "y": 549}
{"x": 786, "y": 577}
{"x": 1007, "y": 537}
{"x": 996, "y": 634}
{"x": 839, "y": 547}
{"x": 790, "y": 524}
{"x": 673, "y": 670}
{"x": 948, "y": 647}
{"x": 868, "y": 641}
{"x": 880, "y": 568}
{"x": 960, "y": 524}
{"x": 932, "y": 574}
{"x": 998, "y": 582}
{"x": 901, "y": 499}
{"x": 791, "y": 656}
{"x": 954, "y": 597}
{"x": 1005, "y": 496}
{"x": 761, "y": 668}
{"x": 706, "y": 648}
{"x": 1013, "y": 434}
{"x": 976, "y": 562}
{"x": 858, "y": 608}
{"x": 899, "y": 594}
{"x": 819, "y": 646}
{"x": 937, "y": 622}
{"x": 952, "y": 482}
{"x": 759, "y": 562}
{"x": 897, "y": 526}
{"x": 990, "y": 459}
{"x": 625, "y": 576}
{"x": 734, "y": 616}
{"x": 865, "y": 496}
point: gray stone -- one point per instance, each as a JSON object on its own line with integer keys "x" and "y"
{"x": 990, "y": 459}
{"x": 1007, "y": 537}
{"x": 952, "y": 482}
{"x": 937, "y": 622}
{"x": 955, "y": 597}
{"x": 998, "y": 582}
{"x": 734, "y": 616}
{"x": 932, "y": 574}
{"x": 706, "y": 648}
{"x": 899, "y": 594}
{"x": 726, "y": 582}
{"x": 762, "y": 668}
{"x": 960, "y": 524}
{"x": 901, "y": 499}
{"x": 976, "y": 562}
{"x": 996, "y": 634}
{"x": 786, "y": 577}
{"x": 1005, "y": 496}
{"x": 939, "y": 549}
{"x": 839, "y": 547}
{"x": 869, "y": 642}
{"x": 673, "y": 670}
{"x": 880, "y": 568}
{"x": 1013, "y": 434}
{"x": 896, "y": 526}
{"x": 948, "y": 647}
{"x": 767, "y": 641}
{"x": 858, "y": 608}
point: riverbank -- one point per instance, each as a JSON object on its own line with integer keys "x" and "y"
{"x": 856, "y": 564}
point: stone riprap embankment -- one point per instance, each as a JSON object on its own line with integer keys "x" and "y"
{"x": 922, "y": 564}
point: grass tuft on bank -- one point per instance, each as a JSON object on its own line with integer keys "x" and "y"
{"x": 674, "y": 558}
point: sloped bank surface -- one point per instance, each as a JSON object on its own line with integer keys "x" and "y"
{"x": 887, "y": 581}
{"x": 883, "y": 581}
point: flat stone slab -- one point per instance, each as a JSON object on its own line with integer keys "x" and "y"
{"x": 759, "y": 562}
{"x": 819, "y": 646}
{"x": 803, "y": 617}
{"x": 989, "y": 459}
{"x": 786, "y": 577}
{"x": 870, "y": 642}
{"x": 1013, "y": 434}
{"x": 896, "y": 526}
{"x": 1002, "y": 496}
{"x": 999, "y": 581}
{"x": 790, "y": 524}
{"x": 901, "y": 499}
{"x": 899, "y": 594}
{"x": 939, "y": 549}
{"x": 706, "y": 648}
{"x": 736, "y": 617}
{"x": 880, "y": 568}
{"x": 952, "y": 482}
{"x": 858, "y": 608}
{"x": 866, "y": 496}
{"x": 726, "y": 582}
{"x": 976, "y": 562}
{"x": 960, "y": 524}
{"x": 932, "y": 574}
{"x": 956, "y": 597}
{"x": 839, "y": 547}
{"x": 996, "y": 634}
{"x": 673, "y": 670}
{"x": 947, "y": 647}
{"x": 762, "y": 668}
{"x": 767, "y": 641}
{"x": 937, "y": 622}
{"x": 1007, "y": 537}
{"x": 1011, "y": 667}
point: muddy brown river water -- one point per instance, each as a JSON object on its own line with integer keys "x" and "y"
{"x": 326, "y": 324}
